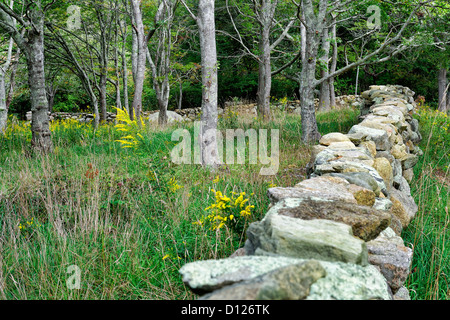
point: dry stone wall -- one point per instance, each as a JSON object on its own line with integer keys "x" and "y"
{"x": 192, "y": 114}
{"x": 337, "y": 234}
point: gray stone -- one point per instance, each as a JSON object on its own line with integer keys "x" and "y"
{"x": 350, "y": 282}
{"x": 382, "y": 204}
{"x": 343, "y": 281}
{"x": 366, "y": 222}
{"x": 292, "y": 282}
{"x": 404, "y": 206}
{"x": 402, "y": 294}
{"x": 380, "y": 137}
{"x": 392, "y": 257}
{"x": 329, "y": 188}
{"x": 363, "y": 179}
{"x": 307, "y": 239}
{"x": 329, "y": 138}
{"x": 171, "y": 117}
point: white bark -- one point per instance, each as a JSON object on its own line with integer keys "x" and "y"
{"x": 442, "y": 81}
{"x": 141, "y": 58}
{"x": 324, "y": 98}
{"x": 208, "y": 130}
{"x": 3, "y": 69}
{"x": 32, "y": 44}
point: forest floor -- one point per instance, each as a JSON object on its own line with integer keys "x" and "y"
{"x": 109, "y": 208}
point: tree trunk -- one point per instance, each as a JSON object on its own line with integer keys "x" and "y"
{"x": 208, "y": 130}
{"x": 40, "y": 127}
{"x": 103, "y": 95}
{"x": 180, "y": 96}
{"x": 442, "y": 93}
{"x": 324, "y": 99}
{"x": 310, "y": 131}
{"x": 264, "y": 74}
{"x": 3, "y": 104}
{"x": 126, "y": 103}
{"x": 333, "y": 65}
{"x": 141, "y": 59}
{"x": 3, "y": 108}
{"x": 314, "y": 28}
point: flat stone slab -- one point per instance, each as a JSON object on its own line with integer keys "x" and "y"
{"x": 366, "y": 222}
{"x": 317, "y": 239}
{"x": 329, "y": 188}
{"x": 292, "y": 282}
{"x": 342, "y": 281}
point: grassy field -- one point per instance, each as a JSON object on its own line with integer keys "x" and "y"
{"x": 429, "y": 233}
{"x": 112, "y": 203}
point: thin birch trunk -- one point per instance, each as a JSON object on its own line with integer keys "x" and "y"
{"x": 208, "y": 131}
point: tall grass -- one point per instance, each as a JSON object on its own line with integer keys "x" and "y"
{"x": 429, "y": 232}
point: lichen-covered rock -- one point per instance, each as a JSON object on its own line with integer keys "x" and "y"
{"x": 363, "y": 196}
{"x": 383, "y": 166}
{"x": 330, "y": 188}
{"x": 329, "y": 138}
{"x": 307, "y": 239}
{"x": 346, "y": 281}
{"x": 339, "y": 281}
{"x": 404, "y": 206}
{"x": 292, "y": 282}
{"x": 392, "y": 257}
{"x": 379, "y": 137}
{"x": 366, "y": 222}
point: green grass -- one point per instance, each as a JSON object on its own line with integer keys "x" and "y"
{"x": 428, "y": 233}
{"x": 123, "y": 226}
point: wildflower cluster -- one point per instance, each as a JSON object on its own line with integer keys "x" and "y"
{"x": 230, "y": 118}
{"x": 28, "y": 227}
{"x": 66, "y": 125}
{"x": 18, "y": 128}
{"x": 225, "y": 211}
{"x": 131, "y": 127}
{"x": 173, "y": 185}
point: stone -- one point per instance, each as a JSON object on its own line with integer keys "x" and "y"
{"x": 329, "y": 188}
{"x": 314, "y": 152}
{"x": 342, "y": 281}
{"x": 366, "y": 223}
{"x": 209, "y": 275}
{"x": 379, "y": 137}
{"x": 404, "y": 206}
{"x": 171, "y": 117}
{"x": 399, "y": 151}
{"x": 363, "y": 196}
{"x": 292, "y": 282}
{"x": 307, "y": 239}
{"x": 363, "y": 179}
{"x": 408, "y": 174}
{"x": 383, "y": 204}
{"x": 384, "y": 168}
{"x": 392, "y": 257}
{"x": 402, "y": 294}
{"x": 370, "y": 146}
{"x": 346, "y": 281}
{"x": 409, "y": 161}
{"x": 329, "y": 138}
{"x": 342, "y": 145}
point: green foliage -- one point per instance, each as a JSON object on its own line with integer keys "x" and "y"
{"x": 429, "y": 231}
